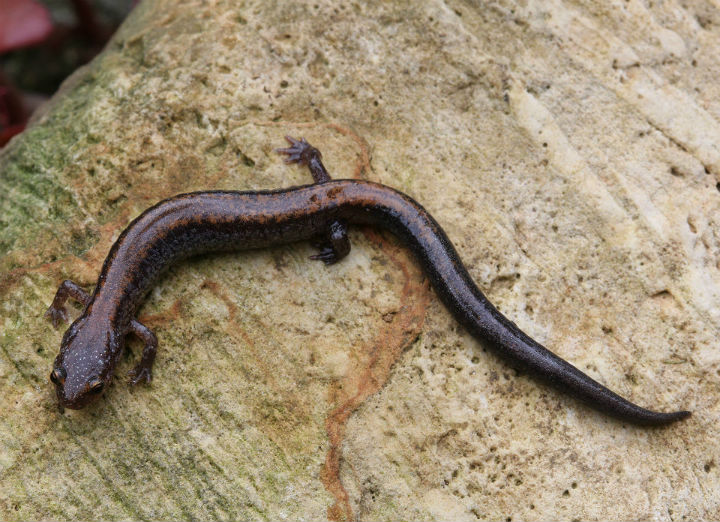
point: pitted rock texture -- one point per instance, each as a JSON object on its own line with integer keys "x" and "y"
{"x": 571, "y": 151}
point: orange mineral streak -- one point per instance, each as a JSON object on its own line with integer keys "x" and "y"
{"x": 382, "y": 353}
{"x": 164, "y": 317}
{"x": 85, "y": 268}
{"x": 373, "y": 373}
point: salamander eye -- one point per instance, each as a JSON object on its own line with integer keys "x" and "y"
{"x": 57, "y": 376}
{"x": 96, "y": 386}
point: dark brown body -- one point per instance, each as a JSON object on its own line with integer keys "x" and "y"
{"x": 202, "y": 222}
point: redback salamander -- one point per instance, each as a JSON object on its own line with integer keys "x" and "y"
{"x": 200, "y": 222}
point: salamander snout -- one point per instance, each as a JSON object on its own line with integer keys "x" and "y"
{"x": 74, "y": 397}
{"x": 84, "y": 366}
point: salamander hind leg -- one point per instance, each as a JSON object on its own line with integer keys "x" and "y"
{"x": 56, "y": 312}
{"x": 335, "y": 244}
{"x": 143, "y": 370}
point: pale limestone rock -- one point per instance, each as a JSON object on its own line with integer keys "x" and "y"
{"x": 571, "y": 150}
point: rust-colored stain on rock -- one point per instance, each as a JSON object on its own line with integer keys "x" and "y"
{"x": 388, "y": 344}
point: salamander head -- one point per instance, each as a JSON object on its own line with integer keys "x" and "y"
{"x": 85, "y": 365}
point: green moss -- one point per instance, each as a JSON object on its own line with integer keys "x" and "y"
{"x": 36, "y": 197}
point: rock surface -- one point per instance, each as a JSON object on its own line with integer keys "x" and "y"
{"x": 571, "y": 150}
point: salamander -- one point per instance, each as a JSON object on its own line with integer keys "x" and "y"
{"x": 200, "y": 222}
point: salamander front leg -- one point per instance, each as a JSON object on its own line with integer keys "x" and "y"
{"x": 143, "y": 370}
{"x": 335, "y": 244}
{"x": 57, "y": 312}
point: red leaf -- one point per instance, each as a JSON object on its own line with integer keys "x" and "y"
{"x": 9, "y": 132}
{"x": 22, "y": 23}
